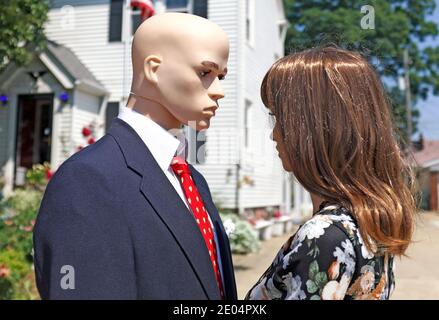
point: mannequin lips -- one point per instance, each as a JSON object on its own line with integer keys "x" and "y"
{"x": 211, "y": 110}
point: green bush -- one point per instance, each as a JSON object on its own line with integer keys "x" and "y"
{"x": 16, "y": 254}
{"x": 242, "y": 236}
{"x": 39, "y": 175}
{"x": 17, "y": 280}
{"x": 17, "y": 218}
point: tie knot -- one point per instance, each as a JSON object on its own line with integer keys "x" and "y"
{"x": 180, "y": 166}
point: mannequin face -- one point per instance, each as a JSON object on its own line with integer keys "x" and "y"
{"x": 190, "y": 85}
{"x": 178, "y": 63}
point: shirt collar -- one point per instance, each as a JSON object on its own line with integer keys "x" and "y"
{"x": 162, "y": 144}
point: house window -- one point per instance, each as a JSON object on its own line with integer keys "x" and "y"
{"x": 178, "y": 5}
{"x": 248, "y": 118}
{"x": 111, "y": 113}
{"x": 249, "y": 21}
{"x": 196, "y": 7}
{"x": 200, "y": 8}
{"x": 115, "y": 27}
{"x": 136, "y": 19}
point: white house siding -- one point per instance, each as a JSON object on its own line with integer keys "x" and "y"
{"x": 261, "y": 162}
{"x": 61, "y": 137}
{"x": 84, "y": 28}
{"x": 225, "y": 138}
{"x": 222, "y": 139}
{"x": 84, "y": 113}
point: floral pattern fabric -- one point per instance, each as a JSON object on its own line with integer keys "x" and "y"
{"x": 326, "y": 260}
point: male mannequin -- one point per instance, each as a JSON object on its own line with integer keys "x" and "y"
{"x": 115, "y": 213}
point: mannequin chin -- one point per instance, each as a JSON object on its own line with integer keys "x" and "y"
{"x": 178, "y": 63}
{"x": 202, "y": 123}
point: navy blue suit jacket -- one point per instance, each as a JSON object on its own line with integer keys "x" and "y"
{"x": 111, "y": 214}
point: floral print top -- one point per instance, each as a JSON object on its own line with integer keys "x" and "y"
{"x": 326, "y": 260}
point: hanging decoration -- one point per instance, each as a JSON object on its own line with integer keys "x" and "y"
{"x": 64, "y": 97}
{"x": 4, "y": 100}
{"x": 146, "y": 8}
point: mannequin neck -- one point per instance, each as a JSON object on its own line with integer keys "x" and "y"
{"x": 153, "y": 110}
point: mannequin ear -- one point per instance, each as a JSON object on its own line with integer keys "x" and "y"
{"x": 150, "y": 67}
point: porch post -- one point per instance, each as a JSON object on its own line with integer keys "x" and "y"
{"x": 10, "y": 151}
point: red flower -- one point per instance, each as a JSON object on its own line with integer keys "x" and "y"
{"x": 8, "y": 222}
{"x": 4, "y": 271}
{"x": 277, "y": 214}
{"x": 49, "y": 174}
{"x": 86, "y": 132}
{"x": 91, "y": 140}
{"x": 28, "y": 228}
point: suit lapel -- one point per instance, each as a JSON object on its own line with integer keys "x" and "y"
{"x": 167, "y": 204}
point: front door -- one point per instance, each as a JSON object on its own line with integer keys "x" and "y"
{"x": 34, "y": 133}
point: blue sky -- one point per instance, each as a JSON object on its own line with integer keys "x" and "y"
{"x": 429, "y": 109}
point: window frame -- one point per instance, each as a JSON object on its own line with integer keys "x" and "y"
{"x": 134, "y": 12}
{"x": 188, "y": 9}
{"x": 250, "y": 16}
{"x": 115, "y": 6}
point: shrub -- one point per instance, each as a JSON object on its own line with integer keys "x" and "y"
{"x": 242, "y": 236}
{"x": 17, "y": 219}
{"x": 16, "y": 276}
{"x": 39, "y": 175}
{"x": 17, "y": 222}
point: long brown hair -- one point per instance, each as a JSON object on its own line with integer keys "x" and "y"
{"x": 335, "y": 121}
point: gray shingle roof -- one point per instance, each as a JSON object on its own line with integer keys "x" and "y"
{"x": 71, "y": 63}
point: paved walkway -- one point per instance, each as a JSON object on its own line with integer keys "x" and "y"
{"x": 250, "y": 267}
{"x": 417, "y": 277}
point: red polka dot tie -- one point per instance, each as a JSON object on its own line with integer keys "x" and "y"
{"x": 181, "y": 169}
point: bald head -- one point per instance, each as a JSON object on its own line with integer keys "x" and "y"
{"x": 178, "y": 60}
{"x": 170, "y": 33}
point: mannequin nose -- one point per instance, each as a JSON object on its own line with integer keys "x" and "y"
{"x": 216, "y": 91}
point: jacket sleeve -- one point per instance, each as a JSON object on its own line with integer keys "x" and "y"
{"x": 80, "y": 245}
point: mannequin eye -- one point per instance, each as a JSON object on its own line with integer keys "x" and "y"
{"x": 204, "y": 73}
